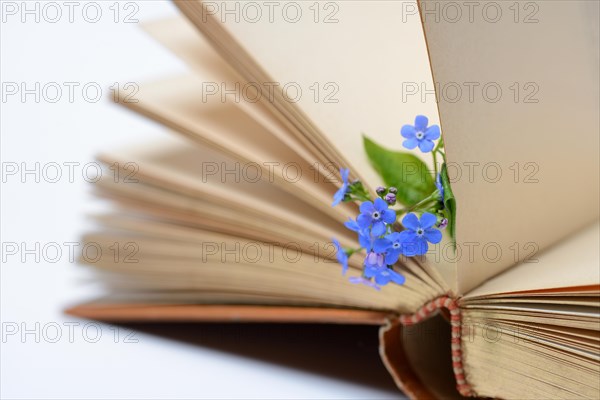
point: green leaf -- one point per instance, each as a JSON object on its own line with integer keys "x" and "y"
{"x": 449, "y": 201}
{"x": 404, "y": 171}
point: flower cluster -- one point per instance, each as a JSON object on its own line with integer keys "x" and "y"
{"x": 382, "y": 236}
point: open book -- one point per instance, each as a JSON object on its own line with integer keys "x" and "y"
{"x": 230, "y": 217}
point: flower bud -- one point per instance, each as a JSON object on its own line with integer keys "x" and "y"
{"x": 393, "y": 190}
{"x": 380, "y": 190}
{"x": 443, "y": 223}
{"x": 390, "y": 198}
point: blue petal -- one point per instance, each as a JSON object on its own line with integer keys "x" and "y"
{"x": 344, "y": 263}
{"x": 438, "y": 183}
{"x": 380, "y": 204}
{"x": 408, "y": 132}
{"x": 433, "y": 132}
{"x": 365, "y": 241}
{"x": 422, "y": 247}
{"x": 363, "y": 281}
{"x": 381, "y": 245}
{"x": 426, "y": 145}
{"x": 439, "y": 186}
{"x": 344, "y": 267}
{"x": 410, "y": 249}
{"x": 411, "y": 221}
{"x": 383, "y": 277}
{"x": 378, "y": 229}
{"x": 394, "y": 237}
{"x": 352, "y": 225}
{"x": 433, "y": 235}
{"x": 411, "y": 243}
{"x": 337, "y": 244}
{"x": 370, "y": 271}
{"x": 397, "y": 278}
{"x": 339, "y": 195}
{"x": 392, "y": 256}
{"x": 364, "y": 221}
{"x": 410, "y": 143}
{"x": 367, "y": 207}
{"x": 415, "y": 248}
{"x": 408, "y": 236}
{"x": 428, "y": 220}
{"x": 389, "y": 216}
{"x": 341, "y": 255}
{"x": 421, "y": 122}
{"x": 344, "y": 172}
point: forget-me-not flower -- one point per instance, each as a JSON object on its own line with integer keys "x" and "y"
{"x": 338, "y": 197}
{"x": 375, "y": 215}
{"x": 362, "y": 281}
{"x": 418, "y": 232}
{"x": 364, "y": 237}
{"x": 341, "y": 256}
{"x": 420, "y": 134}
{"x": 384, "y": 275}
{"x": 390, "y": 246}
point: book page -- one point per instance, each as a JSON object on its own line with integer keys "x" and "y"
{"x": 219, "y": 80}
{"x": 571, "y": 264}
{"x": 194, "y": 173}
{"x": 178, "y": 103}
{"x": 524, "y": 152}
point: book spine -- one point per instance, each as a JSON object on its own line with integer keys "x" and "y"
{"x": 451, "y": 305}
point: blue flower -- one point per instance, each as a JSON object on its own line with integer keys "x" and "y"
{"x": 420, "y": 135}
{"x": 375, "y": 215}
{"x": 341, "y": 256}
{"x": 391, "y": 246}
{"x": 362, "y": 281}
{"x": 352, "y": 225}
{"x": 439, "y": 186}
{"x": 418, "y": 233}
{"x": 341, "y": 193}
{"x": 384, "y": 275}
{"x": 364, "y": 238}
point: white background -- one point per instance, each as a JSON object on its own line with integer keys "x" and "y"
{"x": 163, "y": 362}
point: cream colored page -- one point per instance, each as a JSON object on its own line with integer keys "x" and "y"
{"x": 197, "y": 171}
{"x": 574, "y": 262}
{"x": 541, "y": 134}
{"x": 347, "y": 66}
{"x": 221, "y": 81}
{"x": 178, "y": 103}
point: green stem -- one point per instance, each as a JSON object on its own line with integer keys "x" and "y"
{"x": 420, "y": 207}
{"x": 439, "y": 145}
{"x": 359, "y": 196}
{"x": 350, "y": 252}
{"x": 433, "y": 197}
{"x": 437, "y": 149}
